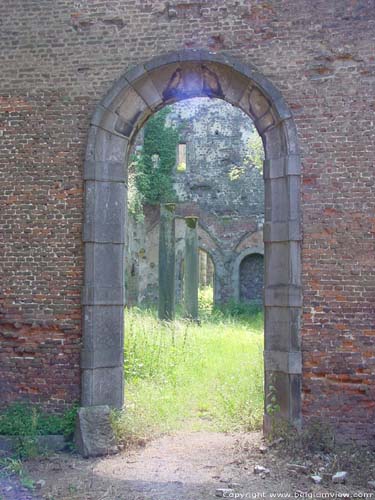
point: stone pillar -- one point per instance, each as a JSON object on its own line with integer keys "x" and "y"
{"x": 202, "y": 268}
{"x": 167, "y": 262}
{"x": 103, "y": 296}
{"x": 210, "y": 271}
{"x": 191, "y": 281}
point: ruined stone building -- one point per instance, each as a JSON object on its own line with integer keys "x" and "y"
{"x": 78, "y": 81}
{"x": 218, "y": 184}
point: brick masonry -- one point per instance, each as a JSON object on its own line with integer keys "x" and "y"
{"x": 56, "y": 65}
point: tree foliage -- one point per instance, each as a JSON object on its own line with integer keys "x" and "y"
{"x": 255, "y": 154}
{"x": 154, "y": 165}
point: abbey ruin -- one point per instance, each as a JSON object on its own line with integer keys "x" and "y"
{"x": 80, "y": 79}
{"x": 219, "y": 184}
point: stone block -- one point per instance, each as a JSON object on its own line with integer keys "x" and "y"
{"x": 104, "y": 338}
{"x": 130, "y": 106}
{"x": 290, "y": 133}
{"x": 275, "y": 144}
{"x": 265, "y": 122}
{"x": 145, "y": 87}
{"x": 104, "y": 265}
{"x": 105, "y": 212}
{"x": 165, "y": 59}
{"x": 107, "y": 170}
{"x": 94, "y": 435}
{"x": 105, "y": 146}
{"x": 276, "y": 195}
{"x": 283, "y": 296}
{"x": 50, "y": 442}
{"x": 103, "y": 295}
{"x": 259, "y": 105}
{"x": 103, "y": 386}
{"x": 281, "y": 108}
{"x": 236, "y": 90}
{"x": 282, "y": 231}
{"x": 294, "y": 196}
{"x": 282, "y": 328}
{"x": 277, "y": 263}
{"x": 112, "y": 97}
{"x": 111, "y": 122}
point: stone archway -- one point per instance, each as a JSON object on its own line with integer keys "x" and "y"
{"x": 120, "y": 114}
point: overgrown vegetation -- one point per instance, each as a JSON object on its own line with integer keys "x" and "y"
{"x": 255, "y": 155}
{"x": 27, "y": 422}
{"x": 14, "y": 467}
{"x": 183, "y": 375}
{"x": 150, "y": 172}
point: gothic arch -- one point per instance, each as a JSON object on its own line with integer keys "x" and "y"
{"x": 117, "y": 118}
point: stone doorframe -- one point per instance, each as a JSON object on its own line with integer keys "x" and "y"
{"x": 117, "y": 118}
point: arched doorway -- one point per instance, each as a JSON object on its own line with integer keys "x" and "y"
{"x": 138, "y": 94}
{"x": 251, "y": 278}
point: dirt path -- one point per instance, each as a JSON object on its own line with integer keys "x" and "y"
{"x": 183, "y": 466}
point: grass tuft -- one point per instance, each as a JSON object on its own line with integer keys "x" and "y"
{"x": 184, "y": 375}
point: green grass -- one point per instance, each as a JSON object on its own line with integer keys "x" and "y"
{"x": 26, "y": 422}
{"x": 181, "y": 375}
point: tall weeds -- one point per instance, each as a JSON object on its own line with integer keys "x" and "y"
{"x": 194, "y": 376}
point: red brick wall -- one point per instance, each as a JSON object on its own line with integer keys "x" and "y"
{"x": 58, "y": 62}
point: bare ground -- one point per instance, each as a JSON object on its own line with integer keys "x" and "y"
{"x": 181, "y": 466}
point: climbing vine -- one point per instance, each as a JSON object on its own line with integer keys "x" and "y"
{"x": 150, "y": 176}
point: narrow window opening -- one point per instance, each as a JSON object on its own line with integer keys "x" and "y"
{"x": 181, "y": 158}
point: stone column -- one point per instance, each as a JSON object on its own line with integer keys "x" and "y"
{"x": 191, "y": 281}
{"x": 167, "y": 262}
{"x": 103, "y": 296}
{"x": 202, "y": 268}
{"x": 210, "y": 271}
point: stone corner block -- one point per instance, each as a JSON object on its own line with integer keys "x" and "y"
{"x": 94, "y": 436}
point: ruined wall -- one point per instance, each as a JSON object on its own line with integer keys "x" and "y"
{"x": 56, "y": 65}
{"x": 220, "y": 185}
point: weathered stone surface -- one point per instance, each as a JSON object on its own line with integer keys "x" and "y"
{"x": 340, "y": 477}
{"x": 94, "y": 435}
{"x": 316, "y": 479}
{"x": 191, "y": 262}
{"x": 51, "y": 442}
{"x": 103, "y": 385}
{"x": 259, "y": 469}
{"x": 167, "y": 262}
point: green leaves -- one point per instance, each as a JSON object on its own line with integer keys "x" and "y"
{"x": 155, "y": 163}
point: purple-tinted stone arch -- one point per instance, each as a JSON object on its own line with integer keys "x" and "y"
{"x": 118, "y": 117}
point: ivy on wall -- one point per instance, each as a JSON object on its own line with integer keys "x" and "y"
{"x": 150, "y": 175}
